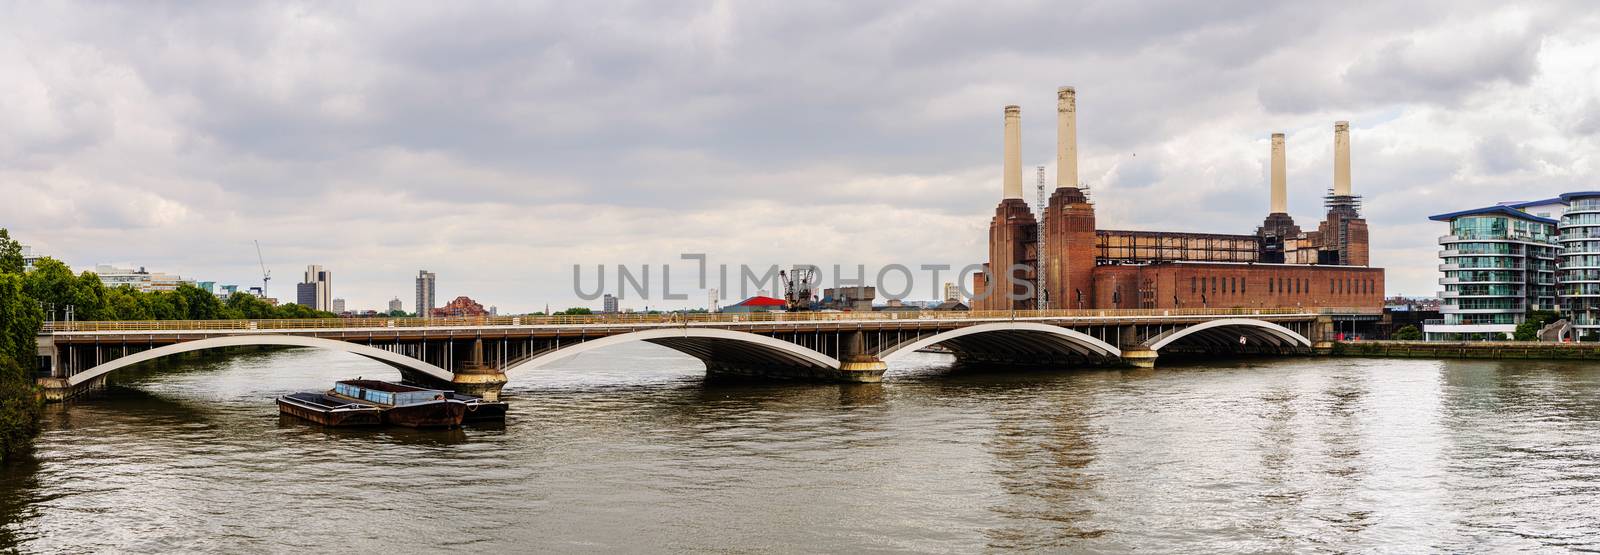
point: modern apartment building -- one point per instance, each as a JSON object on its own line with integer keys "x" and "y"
{"x": 1500, "y": 262}
{"x": 425, "y": 293}
{"x": 1579, "y": 274}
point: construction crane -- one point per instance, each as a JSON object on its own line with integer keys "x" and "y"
{"x": 797, "y": 287}
{"x": 266, "y": 275}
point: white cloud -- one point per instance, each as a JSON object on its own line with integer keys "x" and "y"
{"x": 498, "y": 145}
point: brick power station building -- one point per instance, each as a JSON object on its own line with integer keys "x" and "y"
{"x": 1075, "y": 265}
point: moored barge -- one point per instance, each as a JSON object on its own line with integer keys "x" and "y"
{"x": 329, "y": 411}
{"x": 404, "y": 405}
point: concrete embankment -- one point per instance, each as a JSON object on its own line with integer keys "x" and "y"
{"x": 1468, "y": 349}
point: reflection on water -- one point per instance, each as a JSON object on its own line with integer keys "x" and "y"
{"x": 629, "y": 449}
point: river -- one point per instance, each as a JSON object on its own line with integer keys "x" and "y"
{"x": 630, "y": 449}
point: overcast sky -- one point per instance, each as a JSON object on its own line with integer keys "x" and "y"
{"x": 499, "y": 144}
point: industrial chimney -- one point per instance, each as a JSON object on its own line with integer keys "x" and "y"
{"x": 1066, "y": 137}
{"x": 1280, "y": 188}
{"x": 1341, "y": 158}
{"x": 1013, "y": 163}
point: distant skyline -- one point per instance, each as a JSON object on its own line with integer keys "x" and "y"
{"x": 497, "y": 145}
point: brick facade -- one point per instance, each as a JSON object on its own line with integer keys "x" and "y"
{"x": 1185, "y": 285}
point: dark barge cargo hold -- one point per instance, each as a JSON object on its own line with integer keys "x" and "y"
{"x": 329, "y": 411}
{"x": 479, "y": 410}
{"x": 404, "y": 405}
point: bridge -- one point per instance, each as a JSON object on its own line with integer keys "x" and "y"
{"x": 474, "y": 355}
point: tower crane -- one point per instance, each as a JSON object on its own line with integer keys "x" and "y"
{"x": 266, "y": 275}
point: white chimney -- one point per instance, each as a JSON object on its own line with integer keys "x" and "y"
{"x": 1280, "y": 187}
{"x": 1013, "y": 166}
{"x": 1341, "y": 158}
{"x": 1066, "y": 137}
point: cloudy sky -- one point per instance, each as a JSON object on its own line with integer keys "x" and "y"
{"x": 498, "y": 144}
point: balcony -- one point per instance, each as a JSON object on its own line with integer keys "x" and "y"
{"x": 1449, "y": 267}
{"x": 1448, "y": 239}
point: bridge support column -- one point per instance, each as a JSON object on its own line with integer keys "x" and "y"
{"x": 478, "y": 379}
{"x": 57, "y": 390}
{"x": 1139, "y": 357}
{"x": 862, "y": 369}
{"x": 1322, "y": 336}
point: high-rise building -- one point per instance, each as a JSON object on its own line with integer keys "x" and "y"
{"x": 394, "y": 305}
{"x": 425, "y": 293}
{"x": 951, "y": 292}
{"x": 338, "y": 306}
{"x": 305, "y": 294}
{"x": 609, "y": 305}
{"x": 321, "y": 282}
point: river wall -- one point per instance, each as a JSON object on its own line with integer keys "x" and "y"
{"x": 1468, "y": 349}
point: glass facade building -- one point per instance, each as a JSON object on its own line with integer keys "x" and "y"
{"x": 1497, "y": 263}
{"x": 1580, "y": 263}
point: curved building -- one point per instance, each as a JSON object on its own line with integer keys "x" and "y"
{"x": 1498, "y": 263}
{"x": 1580, "y": 262}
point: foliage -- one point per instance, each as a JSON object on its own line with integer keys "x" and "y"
{"x": 1407, "y": 333}
{"x": 575, "y": 311}
{"x": 20, "y": 405}
{"x": 1528, "y": 330}
{"x": 398, "y": 314}
{"x": 19, "y": 325}
{"x": 10, "y": 254}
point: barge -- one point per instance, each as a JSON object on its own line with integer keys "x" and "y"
{"x": 404, "y": 405}
{"x": 329, "y": 411}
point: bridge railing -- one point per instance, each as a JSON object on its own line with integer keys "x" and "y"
{"x": 670, "y": 318}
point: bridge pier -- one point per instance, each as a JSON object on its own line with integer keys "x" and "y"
{"x": 1139, "y": 357}
{"x": 57, "y": 390}
{"x": 478, "y": 379}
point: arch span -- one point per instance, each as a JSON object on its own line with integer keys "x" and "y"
{"x": 1054, "y": 336}
{"x": 1260, "y": 329}
{"x": 380, "y": 355}
{"x": 706, "y": 344}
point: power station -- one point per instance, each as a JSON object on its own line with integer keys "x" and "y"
{"x": 1076, "y": 265}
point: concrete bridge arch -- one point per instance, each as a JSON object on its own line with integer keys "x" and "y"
{"x": 1225, "y": 333}
{"x": 712, "y": 346}
{"x": 405, "y": 364}
{"x": 1020, "y": 337}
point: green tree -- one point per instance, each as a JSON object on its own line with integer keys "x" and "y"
{"x": 10, "y": 253}
{"x": 19, "y": 321}
{"x": 20, "y": 408}
{"x": 1407, "y": 333}
{"x": 201, "y": 305}
{"x": 576, "y": 311}
{"x": 53, "y": 285}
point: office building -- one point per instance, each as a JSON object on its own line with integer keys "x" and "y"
{"x": 321, "y": 288}
{"x": 140, "y": 280}
{"x": 425, "y": 293}
{"x": 609, "y": 304}
{"x": 338, "y": 306}
{"x": 395, "y": 305}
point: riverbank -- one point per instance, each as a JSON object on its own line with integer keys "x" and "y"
{"x": 1469, "y": 349}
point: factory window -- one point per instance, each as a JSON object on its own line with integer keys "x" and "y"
{"x": 1213, "y": 284}
{"x": 1243, "y": 285}
{"x": 1269, "y": 285}
{"x": 1192, "y": 281}
{"x": 1330, "y": 286}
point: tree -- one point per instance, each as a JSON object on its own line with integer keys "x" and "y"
{"x": 52, "y": 284}
{"x": 19, "y": 410}
{"x": 1407, "y": 333}
{"x": 575, "y": 311}
{"x": 19, "y": 321}
{"x": 10, "y": 254}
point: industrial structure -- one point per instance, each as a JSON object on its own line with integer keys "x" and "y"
{"x": 1080, "y": 266}
{"x": 1500, "y": 262}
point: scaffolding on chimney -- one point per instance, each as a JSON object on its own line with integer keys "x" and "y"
{"x": 1043, "y": 299}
